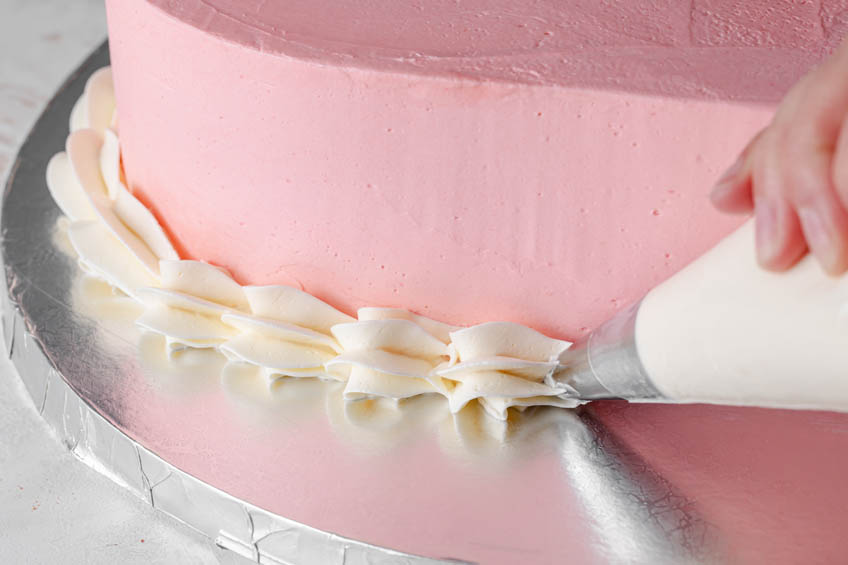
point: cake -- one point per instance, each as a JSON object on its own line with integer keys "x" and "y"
{"x": 416, "y": 197}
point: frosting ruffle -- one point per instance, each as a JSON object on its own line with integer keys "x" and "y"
{"x": 285, "y": 332}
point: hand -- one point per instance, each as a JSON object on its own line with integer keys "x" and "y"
{"x": 794, "y": 174}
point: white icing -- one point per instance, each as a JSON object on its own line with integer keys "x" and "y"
{"x": 95, "y": 109}
{"x": 116, "y": 237}
{"x": 292, "y": 305}
{"x": 279, "y": 348}
{"x": 65, "y": 190}
{"x": 202, "y": 280}
{"x": 279, "y": 357}
{"x": 103, "y": 255}
{"x": 401, "y": 336}
{"x": 184, "y": 328}
{"x": 439, "y": 330}
{"x": 364, "y": 383}
{"x": 284, "y": 332}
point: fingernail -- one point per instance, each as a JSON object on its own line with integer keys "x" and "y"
{"x": 723, "y": 183}
{"x": 768, "y": 235}
{"x": 819, "y": 237}
{"x": 719, "y": 191}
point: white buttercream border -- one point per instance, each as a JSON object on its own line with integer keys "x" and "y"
{"x": 380, "y": 353}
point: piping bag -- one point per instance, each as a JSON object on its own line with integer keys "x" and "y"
{"x": 723, "y": 331}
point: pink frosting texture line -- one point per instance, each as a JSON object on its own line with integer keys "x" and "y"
{"x": 667, "y": 47}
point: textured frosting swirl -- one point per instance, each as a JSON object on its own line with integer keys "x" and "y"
{"x": 380, "y": 353}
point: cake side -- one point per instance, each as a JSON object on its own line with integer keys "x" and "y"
{"x": 463, "y": 200}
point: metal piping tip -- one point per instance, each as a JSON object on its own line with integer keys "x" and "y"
{"x": 606, "y": 364}
{"x": 576, "y": 377}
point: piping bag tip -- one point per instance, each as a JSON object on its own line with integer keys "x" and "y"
{"x": 606, "y": 364}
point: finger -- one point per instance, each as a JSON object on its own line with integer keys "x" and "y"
{"x": 780, "y": 241}
{"x": 793, "y": 173}
{"x": 824, "y": 220}
{"x": 825, "y": 230}
{"x": 733, "y": 192}
{"x": 839, "y": 167}
{"x": 820, "y": 181}
{"x": 779, "y": 238}
{"x": 819, "y": 101}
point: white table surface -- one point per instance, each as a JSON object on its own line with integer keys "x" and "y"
{"x": 53, "y": 508}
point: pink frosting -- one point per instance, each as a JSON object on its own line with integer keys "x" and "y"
{"x": 544, "y": 163}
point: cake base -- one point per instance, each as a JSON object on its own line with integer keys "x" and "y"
{"x": 271, "y": 474}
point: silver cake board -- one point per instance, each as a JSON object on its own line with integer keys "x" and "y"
{"x": 296, "y": 476}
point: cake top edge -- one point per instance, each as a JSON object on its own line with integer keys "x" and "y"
{"x": 707, "y": 49}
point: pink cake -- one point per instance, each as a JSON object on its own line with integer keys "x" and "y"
{"x": 544, "y": 162}
{"x": 537, "y": 162}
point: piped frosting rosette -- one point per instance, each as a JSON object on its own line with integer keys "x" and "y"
{"x": 285, "y": 332}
